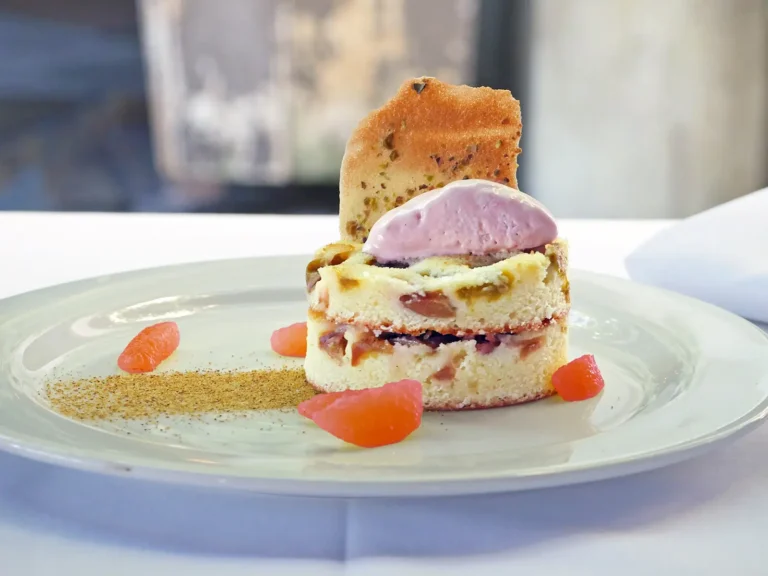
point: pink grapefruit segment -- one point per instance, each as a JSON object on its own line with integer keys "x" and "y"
{"x": 580, "y": 379}
{"x": 369, "y": 418}
{"x": 290, "y": 340}
{"x": 149, "y": 348}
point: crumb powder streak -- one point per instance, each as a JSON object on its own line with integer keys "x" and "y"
{"x": 147, "y": 396}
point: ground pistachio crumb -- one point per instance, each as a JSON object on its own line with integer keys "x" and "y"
{"x": 147, "y": 396}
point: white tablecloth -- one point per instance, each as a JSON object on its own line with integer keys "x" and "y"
{"x": 707, "y": 516}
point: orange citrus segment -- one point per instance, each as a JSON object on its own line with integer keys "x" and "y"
{"x": 291, "y": 340}
{"x": 372, "y": 417}
{"x": 149, "y": 348}
{"x": 580, "y": 379}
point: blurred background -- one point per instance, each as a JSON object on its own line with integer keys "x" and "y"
{"x": 636, "y": 108}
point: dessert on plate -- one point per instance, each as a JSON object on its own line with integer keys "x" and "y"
{"x": 451, "y": 277}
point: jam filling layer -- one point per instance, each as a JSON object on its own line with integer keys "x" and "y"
{"x": 334, "y": 342}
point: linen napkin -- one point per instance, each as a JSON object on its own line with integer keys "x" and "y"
{"x": 719, "y": 256}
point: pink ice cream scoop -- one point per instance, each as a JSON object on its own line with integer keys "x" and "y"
{"x": 465, "y": 217}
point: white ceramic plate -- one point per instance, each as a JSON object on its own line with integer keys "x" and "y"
{"x": 681, "y": 376}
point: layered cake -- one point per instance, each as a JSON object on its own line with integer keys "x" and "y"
{"x": 462, "y": 286}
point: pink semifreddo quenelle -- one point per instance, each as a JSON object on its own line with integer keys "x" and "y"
{"x": 466, "y": 217}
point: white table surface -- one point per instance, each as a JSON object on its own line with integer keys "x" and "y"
{"x": 706, "y": 516}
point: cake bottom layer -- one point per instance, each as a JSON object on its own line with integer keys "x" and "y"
{"x": 457, "y": 374}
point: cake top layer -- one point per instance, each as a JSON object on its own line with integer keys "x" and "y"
{"x": 428, "y": 135}
{"x": 472, "y": 217}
